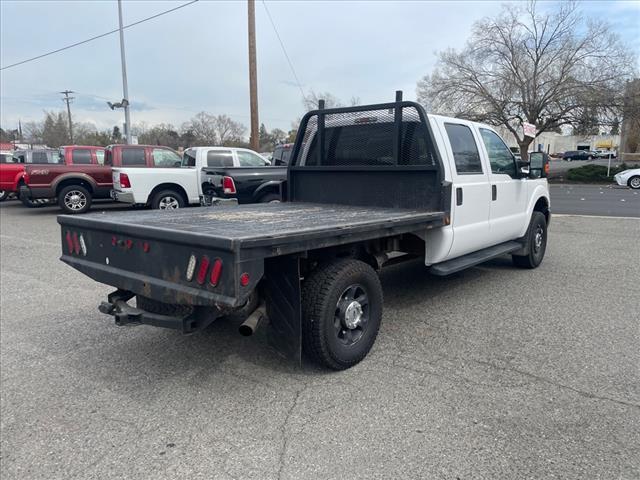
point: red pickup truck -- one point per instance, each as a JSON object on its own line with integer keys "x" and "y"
{"x": 11, "y": 173}
{"x": 86, "y": 174}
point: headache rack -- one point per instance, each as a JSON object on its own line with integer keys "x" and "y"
{"x": 372, "y": 155}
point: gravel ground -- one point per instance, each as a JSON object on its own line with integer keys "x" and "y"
{"x": 492, "y": 373}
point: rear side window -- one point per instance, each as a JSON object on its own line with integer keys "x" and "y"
{"x": 165, "y": 158}
{"x": 219, "y": 158}
{"x": 81, "y": 156}
{"x": 100, "y": 156}
{"x": 464, "y": 148}
{"x": 132, "y": 157}
{"x": 39, "y": 157}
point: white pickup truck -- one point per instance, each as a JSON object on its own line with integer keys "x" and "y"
{"x": 367, "y": 186}
{"x": 201, "y": 172}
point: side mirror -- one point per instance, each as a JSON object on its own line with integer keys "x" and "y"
{"x": 524, "y": 168}
{"x": 539, "y": 164}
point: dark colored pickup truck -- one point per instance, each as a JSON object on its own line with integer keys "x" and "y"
{"x": 84, "y": 175}
{"x": 246, "y": 184}
{"x": 367, "y": 186}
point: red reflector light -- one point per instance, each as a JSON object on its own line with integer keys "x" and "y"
{"x": 146, "y": 247}
{"x": 129, "y": 244}
{"x": 124, "y": 181}
{"x": 244, "y": 279}
{"x": 76, "y": 243}
{"x": 216, "y": 271}
{"x": 114, "y": 240}
{"x": 228, "y": 185}
{"x": 202, "y": 271}
{"x": 69, "y": 241}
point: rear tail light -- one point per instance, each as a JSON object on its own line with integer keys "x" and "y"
{"x": 69, "y": 240}
{"x": 216, "y": 271}
{"x": 191, "y": 268}
{"x": 202, "y": 271}
{"x": 228, "y": 185}
{"x": 124, "y": 181}
{"x": 75, "y": 243}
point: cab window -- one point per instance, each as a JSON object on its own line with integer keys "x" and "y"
{"x": 500, "y": 157}
{"x": 464, "y": 148}
{"x": 132, "y": 157}
{"x": 250, "y": 159}
{"x": 189, "y": 158}
{"x": 100, "y": 156}
{"x": 81, "y": 156}
{"x": 165, "y": 158}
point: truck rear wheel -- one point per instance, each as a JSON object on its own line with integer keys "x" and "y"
{"x": 342, "y": 313}
{"x": 74, "y": 199}
{"x": 167, "y": 200}
{"x": 537, "y": 240}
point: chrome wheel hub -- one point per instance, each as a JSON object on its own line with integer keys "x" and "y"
{"x": 168, "y": 203}
{"x": 538, "y": 239}
{"x": 353, "y": 315}
{"x": 75, "y": 200}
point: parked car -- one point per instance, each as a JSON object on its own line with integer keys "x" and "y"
{"x": 11, "y": 173}
{"x": 76, "y": 183}
{"x": 206, "y": 172}
{"x": 629, "y": 178}
{"x": 445, "y": 189}
{"x": 578, "y": 155}
{"x": 606, "y": 153}
{"x": 282, "y": 154}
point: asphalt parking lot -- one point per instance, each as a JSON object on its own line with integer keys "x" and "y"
{"x": 492, "y": 373}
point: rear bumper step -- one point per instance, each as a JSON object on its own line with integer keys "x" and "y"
{"x": 124, "y": 314}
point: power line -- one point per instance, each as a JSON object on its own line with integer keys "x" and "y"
{"x": 284, "y": 50}
{"x": 98, "y": 36}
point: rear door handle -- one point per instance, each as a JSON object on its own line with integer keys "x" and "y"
{"x": 494, "y": 192}
{"x": 459, "y": 196}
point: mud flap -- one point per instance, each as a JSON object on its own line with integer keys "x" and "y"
{"x": 283, "y": 299}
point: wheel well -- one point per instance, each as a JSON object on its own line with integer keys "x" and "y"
{"x": 266, "y": 191}
{"x": 169, "y": 186}
{"x": 542, "y": 205}
{"x": 74, "y": 181}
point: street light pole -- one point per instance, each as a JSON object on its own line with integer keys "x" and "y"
{"x": 125, "y": 88}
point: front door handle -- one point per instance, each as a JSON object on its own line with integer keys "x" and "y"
{"x": 494, "y": 192}
{"x": 459, "y": 196}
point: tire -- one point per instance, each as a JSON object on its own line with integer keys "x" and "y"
{"x": 154, "y": 306}
{"x": 270, "y": 198}
{"x": 3, "y": 195}
{"x": 31, "y": 202}
{"x": 167, "y": 200}
{"x": 589, "y": 157}
{"x": 74, "y": 199}
{"x": 634, "y": 182}
{"x": 537, "y": 240}
{"x": 342, "y": 313}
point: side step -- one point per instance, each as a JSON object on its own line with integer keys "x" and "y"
{"x": 471, "y": 259}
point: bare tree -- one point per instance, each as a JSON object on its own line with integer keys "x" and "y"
{"x": 310, "y": 102}
{"x": 547, "y": 69}
{"x": 202, "y": 127}
{"x": 228, "y": 131}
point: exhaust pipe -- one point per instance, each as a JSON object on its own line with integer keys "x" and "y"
{"x": 250, "y": 325}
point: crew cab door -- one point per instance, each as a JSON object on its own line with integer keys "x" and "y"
{"x": 471, "y": 190}
{"x": 508, "y": 191}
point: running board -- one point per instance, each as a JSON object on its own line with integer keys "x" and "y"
{"x": 474, "y": 258}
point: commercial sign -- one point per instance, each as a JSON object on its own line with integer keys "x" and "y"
{"x": 529, "y": 129}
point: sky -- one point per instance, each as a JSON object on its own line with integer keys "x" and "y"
{"x": 196, "y": 58}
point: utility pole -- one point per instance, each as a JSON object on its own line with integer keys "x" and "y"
{"x": 125, "y": 88}
{"x": 254, "y": 138}
{"x": 67, "y": 99}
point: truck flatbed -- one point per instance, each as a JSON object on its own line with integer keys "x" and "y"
{"x": 286, "y": 226}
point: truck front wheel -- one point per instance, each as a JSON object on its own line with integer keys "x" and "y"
{"x": 342, "y": 312}
{"x": 536, "y": 237}
{"x": 74, "y": 199}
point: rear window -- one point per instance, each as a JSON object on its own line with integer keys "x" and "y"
{"x": 219, "y": 158}
{"x": 132, "y": 157}
{"x": 81, "y": 156}
{"x": 371, "y": 144}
